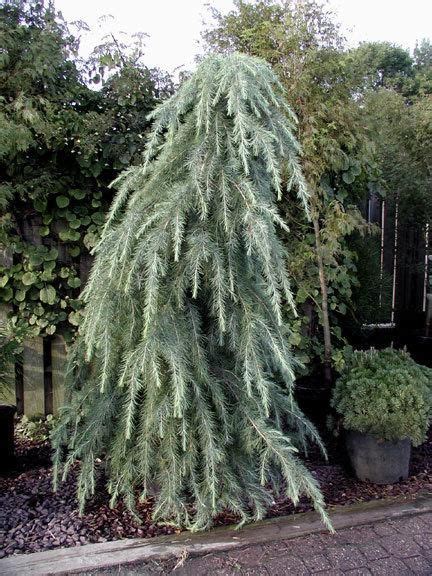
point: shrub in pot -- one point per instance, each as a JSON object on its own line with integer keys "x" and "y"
{"x": 384, "y": 399}
{"x": 10, "y": 346}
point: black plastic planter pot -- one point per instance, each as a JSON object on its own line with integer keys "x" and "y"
{"x": 7, "y": 413}
{"x": 378, "y": 461}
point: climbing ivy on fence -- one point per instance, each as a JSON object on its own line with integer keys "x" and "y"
{"x": 61, "y": 145}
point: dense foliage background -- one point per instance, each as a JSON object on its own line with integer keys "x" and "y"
{"x": 68, "y": 127}
{"x": 365, "y": 120}
{"x": 61, "y": 144}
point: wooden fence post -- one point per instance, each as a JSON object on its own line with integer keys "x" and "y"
{"x": 19, "y": 384}
{"x": 48, "y": 378}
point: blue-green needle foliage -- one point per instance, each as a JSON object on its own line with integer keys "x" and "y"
{"x": 187, "y": 383}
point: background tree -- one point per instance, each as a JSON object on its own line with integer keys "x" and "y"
{"x": 182, "y": 377}
{"x": 398, "y": 114}
{"x": 423, "y": 67}
{"x": 303, "y": 44}
{"x": 402, "y": 139}
{"x": 382, "y": 65}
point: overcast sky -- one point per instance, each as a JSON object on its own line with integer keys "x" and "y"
{"x": 174, "y": 25}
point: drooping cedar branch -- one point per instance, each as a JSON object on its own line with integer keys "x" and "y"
{"x": 182, "y": 377}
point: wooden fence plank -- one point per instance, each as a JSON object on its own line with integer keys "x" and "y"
{"x": 19, "y": 384}
{"x": 33, "y": 377}
{"x": 47, "y": 377}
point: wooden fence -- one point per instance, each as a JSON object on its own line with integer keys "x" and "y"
{"x": 39, "y": 376}
{"x": 406, "y": 255}
{"x": 38, "y": 387}
{"x": 37, "y": 381}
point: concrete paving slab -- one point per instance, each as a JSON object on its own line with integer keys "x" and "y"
{"x": 128, "y": 552}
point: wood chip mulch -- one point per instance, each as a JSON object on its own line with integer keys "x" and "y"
{"x": 33, "y": 518}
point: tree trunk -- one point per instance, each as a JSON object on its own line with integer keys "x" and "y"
{"x": 324, "y": 303}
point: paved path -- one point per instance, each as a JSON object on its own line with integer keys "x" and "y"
{"x": 392, "y": 548}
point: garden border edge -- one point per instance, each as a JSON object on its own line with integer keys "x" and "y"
{"x": 130, "y": 551}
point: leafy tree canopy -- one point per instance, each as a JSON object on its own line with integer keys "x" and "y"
{"x": 378, "y": 65}
{"x": 382, "y": 64}
{"x": 402, "y": 135}
{"x": 61, "y": 143}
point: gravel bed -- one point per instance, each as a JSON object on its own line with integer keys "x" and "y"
{"x": 33, "y": 518}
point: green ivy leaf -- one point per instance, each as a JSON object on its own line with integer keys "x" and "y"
{"x": 47, "y": 275}
{"x": 96, "y": 169}
{"x": 74, "y": 235}
{"x": 62, "y": 201}
{"x": 20, "y": 295}
{"x": 52, "y": 254}
{"x": 39, "y": 310}
{"x": 28, "y": 278}
{"x": 6, "y": 294}
{"x": 70, "y": 216}
{"x": 36, "y": 260}
{"x": 74, "y": 282}
{"x": 40, "y": 204}
{"x": 49, "y": 265}
{"x": 74, "y": 224}
{"x": 348, "y": 177}
{"x": 76, "y": 304}
{"x": 90, "y": 240}
{"x": 302, "y": 295}
{"x": 98, "y": 218}
{"x": 3, "y": 280}
{"x": 50, "y": 331}
{"x": 78, "y": 194}
{"x": 294, "y": 338}
{"x": 355, "y": 168}
{"x": 75, "y": 318}
{"x": 48, "y": 295}
{"x": 74, "y": 251}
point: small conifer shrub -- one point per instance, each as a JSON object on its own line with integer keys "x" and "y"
{"x": 181, "y": 379}
{"x": 387, "y": 394}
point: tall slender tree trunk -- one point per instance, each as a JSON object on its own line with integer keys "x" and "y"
{"x": 324, "y": 301}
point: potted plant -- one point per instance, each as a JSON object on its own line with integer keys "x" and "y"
{"x": 10, "y": 346}
{"x": 384, "y": 399}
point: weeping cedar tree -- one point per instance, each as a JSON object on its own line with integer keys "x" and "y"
{"x": 181, "y": 378}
